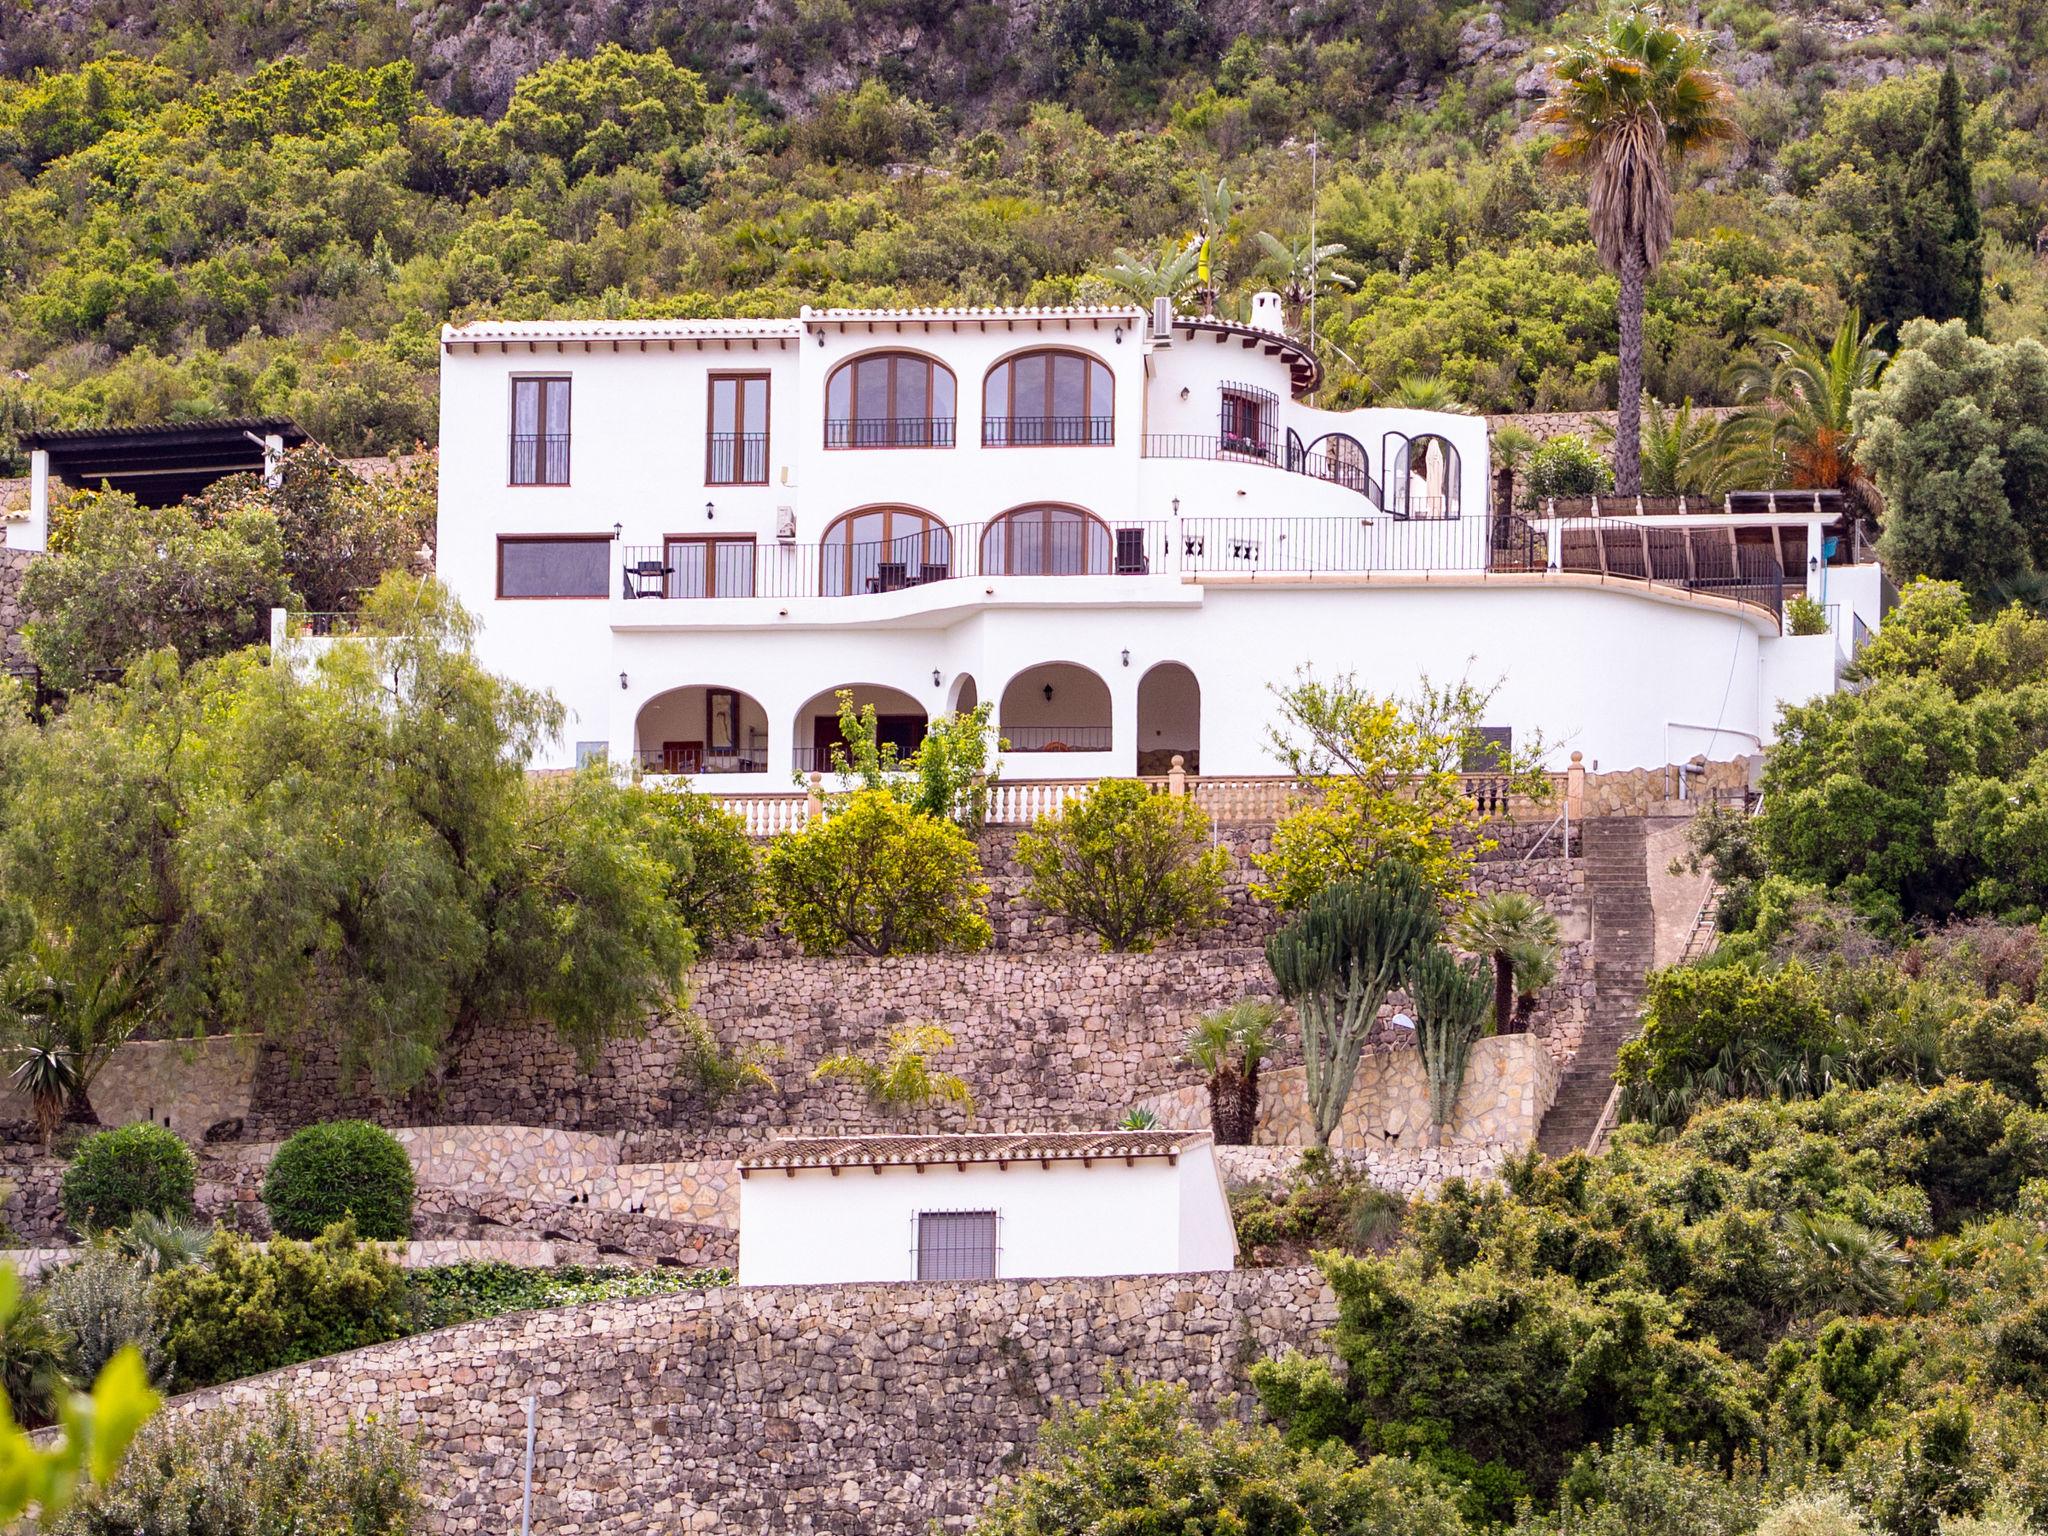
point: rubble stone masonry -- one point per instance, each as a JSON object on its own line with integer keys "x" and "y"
{"x": 801, "y": 1411}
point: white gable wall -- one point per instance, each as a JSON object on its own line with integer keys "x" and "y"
{"x": 1066, "y": 1218}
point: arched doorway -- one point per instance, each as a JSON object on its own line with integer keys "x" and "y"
{"x": 899, "y": 722}
{"x": 883, "y": 549}
{"x": 1169, "y": 719}
{"x": 1055, "y": 707}
{"x": 1422, "y": 475}
{"x": 702, "y": 728}
{"x": 965, "y": 694}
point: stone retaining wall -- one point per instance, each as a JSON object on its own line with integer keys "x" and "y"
{"x": 13, "y": 647}
{"x": 1415, "y": 1172}
{"x": 1510, "y": 1081}
{"x": 189, "y": 1085}
{"x": 812, "y": 1411}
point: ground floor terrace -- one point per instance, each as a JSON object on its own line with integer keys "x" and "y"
{"x": 1626, "y": 674}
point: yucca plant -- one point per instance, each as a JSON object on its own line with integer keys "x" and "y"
{"x": 1451, "y": 997}
{"x": 46, "y": 1075}
{"x": 1138, "y": 1120}
{"x": 1228, "y": 1046}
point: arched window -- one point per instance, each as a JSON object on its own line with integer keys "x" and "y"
{"x": 889, "y": 400}
{"x": 1422, "y": 475}
{"x": 1048, "y": 398}
{"x": 1046, "y": 541}
{"x": 1336, "y": 456}
{"x": 883, "y": 549}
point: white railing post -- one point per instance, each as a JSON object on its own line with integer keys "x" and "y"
{"x": 814, "y": 797}
{"x": 1177, "y": 776}
{"x": 1553, "y": 538}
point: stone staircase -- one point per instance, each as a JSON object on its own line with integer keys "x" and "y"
{"x": 1624, "y": 940}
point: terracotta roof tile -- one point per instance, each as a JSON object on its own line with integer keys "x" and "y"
{"x": 1019, "y": 1146}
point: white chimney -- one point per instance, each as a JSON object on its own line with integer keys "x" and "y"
{"x": 1267, "y": 313}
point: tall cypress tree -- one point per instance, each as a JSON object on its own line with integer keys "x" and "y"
{"x": 1928, "y": 255}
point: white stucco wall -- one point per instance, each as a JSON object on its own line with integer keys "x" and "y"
{"x": 1234, "y": 589}
{"x": 1069, "y": 1218}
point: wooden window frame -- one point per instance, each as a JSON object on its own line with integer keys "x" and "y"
{"x": 1089, "y": 522}
{"x": 512, "y": 480}
{"x": 1088, "y": 412}
{"x": 604, "y": 588}
{"x": 929, "y": 524}
{"x": 739, "y": 379}
{"x": 851, "y": 367}
{"x": 713, "y": 540}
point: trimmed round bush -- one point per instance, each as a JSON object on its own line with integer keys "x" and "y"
{"x": 340, "y": 1169}
{"x": 116, "y": 1175}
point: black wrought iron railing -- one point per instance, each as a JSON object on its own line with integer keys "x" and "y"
{"x": 1007, "y": 547}
{"x": 540, "y": 459}
{"x": 690, "y": 757}
{"x": 737, "y": 458}
{"x": 1346, "y": 472}
{"x": 889, "y": 432}
{"x": 1047, "y": 431}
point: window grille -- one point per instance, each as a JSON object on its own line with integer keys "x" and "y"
{"x": 956, "y": 1245}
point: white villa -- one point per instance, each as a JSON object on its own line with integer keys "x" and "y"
{"x": 1120, "y": 526}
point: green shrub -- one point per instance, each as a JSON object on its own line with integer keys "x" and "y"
{"x": 118, "y": 1174}
{"x": 249, "y": 1309}
{"x": 1140, "y": 1462}
{"x": 1126, "y": 864}
{"x": 1720, "y": 1033}
{"x": 105, "y": 1302}
{"x": 234, "y": 1473}
{"x": 1804, "y": 616}
{"x": 461, "y": 1293}
{"x": 717, "y": 888}
{"x": 345, "y": 1168}
{"x": 1568, "y": 465}
{"x": 877, "y": 877}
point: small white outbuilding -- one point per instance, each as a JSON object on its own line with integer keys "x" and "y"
{"x": 841, "y": 1209}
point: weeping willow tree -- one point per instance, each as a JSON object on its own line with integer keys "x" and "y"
{"x": 1452, "y": 1000}
{"x": 1337, "y": 961}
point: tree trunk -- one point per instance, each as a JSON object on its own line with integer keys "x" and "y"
{"x": 78, "y": 1108}
{"x": 1628, "y": 424}
{"x": 1503, "y": 993}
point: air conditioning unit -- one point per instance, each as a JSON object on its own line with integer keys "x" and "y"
{"x": 1162, "y": 322}
{"x": 785, "y": 523}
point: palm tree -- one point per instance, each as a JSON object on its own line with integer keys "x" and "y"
{"x": 1301, "y": 268}
{"x": 1145, "y": 279}
{"x": 1628, "y": 104}
{"x": 1796, "y": 430}
{"x": 1214, "y": 202}
{"x": 1228, "y": 1045}
{"x": 1683, "y": 454}
{"x": 1517, "y": 933}
{"x": 1511, "y": 449}
{"x": 1425, "y": 392}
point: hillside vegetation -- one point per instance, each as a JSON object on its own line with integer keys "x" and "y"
{"x": 271, "y": 205}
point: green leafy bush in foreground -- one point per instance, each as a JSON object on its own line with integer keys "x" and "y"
{"x": 463, "y": 1293}
{"x": 345, "y": 1168}
{"x": 235, "y": 1474}
{"x": 116, "y": 1175}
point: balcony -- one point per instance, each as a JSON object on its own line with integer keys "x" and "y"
{"x": 889, "y": 432}
{"x": 1048, "y": 431}
{"x": 1351, "y": 474}
{"x": 736, "y": 458}
{"x": 922, "y": 559}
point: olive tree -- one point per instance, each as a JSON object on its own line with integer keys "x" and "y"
{"x": 1337, "y": 961}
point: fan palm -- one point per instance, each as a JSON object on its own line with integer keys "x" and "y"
{"x": 1627, "y": 104}
{"x": 1519, "y": 935}
{"x": 1301, "y": 269}
{"x": 1795, "y": 429}
{"x": 1421, "y": 392}
{"x": 1228, "y": 1045}
{"x": 1145, "y": 279}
